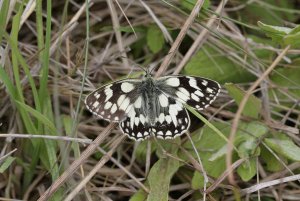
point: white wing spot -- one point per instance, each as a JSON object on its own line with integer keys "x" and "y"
{"x": 160, "y": 133}
{"x": 139, "y": 135}
{"x": 113, "y": 108}
{"x": 168, "y": 119}
{"x": 131, "y": 115}
{"x": 138, "y": 102}
{"x": 184, "y": 91}
{"x": 142, "y": 119}
{"x": 136, "y": 121}
{"x": 169, "y": 133}
{"x": 102, "y": 113}
{"x": 182, "y": 96}
{"x": 161, "y": 117}
{"x": 196, "y": 98}
{"x": 108, "y": 92}
{"x": 127, "y": 87}
{"x": 173, "y": 81}
{"x": 204, "y": 83}
{"x": 163, "y": 100}
{"x": 173, "y": 111}
{"x": 193, "y": 83}
{"x": 117, "y": 119}
{"x": 96, "y": 103}
{"x": 121, "y": 99}
{"x": 107, "y": 105}
{"x": 199, "y": 93}
{"x": 97, "y": 95}
{"x": 209, "y": 90}
{"x": 125, "y": 104}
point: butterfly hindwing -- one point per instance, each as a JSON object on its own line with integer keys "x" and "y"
{"x": 171, "y": 121}
{"x": 136, "y": 125}
{"x": 196, "y": 92}
{"x": 113, "y": 101}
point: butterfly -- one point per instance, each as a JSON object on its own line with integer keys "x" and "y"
{"x": 152, "y": 107}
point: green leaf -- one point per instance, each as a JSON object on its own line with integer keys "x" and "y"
{"x": 286, "y": 148}
{"x": 161, "y": 173}
{"x": 155, "y": 39}
{"x": 139, "y": 196}
{"x": 253, "y": 105}
{"x": 212, "y": 148}
{"x": 141, "y": 151}
{"x": 197, "y": 180}
{"x": 283, "y": 35}
{"x": 287, "y": 77}
{"x": 272, "y": 163}
{"x": 247, "y": 170}
{"x": 39, "y": 116}
{"x": 292, "y": 39}
{"x": 208, "y": 142}
{"x": 269, "y": 11}
{"x": 221, "y": 152}
{"x": 248, "y": 148}
{"x": 3, "y": 17}
{"x": 7, "y": 162}
{"x": 211, "y": 64}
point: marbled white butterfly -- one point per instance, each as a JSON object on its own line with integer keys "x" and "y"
{"x": 149, "y": 106}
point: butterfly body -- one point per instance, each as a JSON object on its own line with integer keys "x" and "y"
{"x": 149, "y": 106}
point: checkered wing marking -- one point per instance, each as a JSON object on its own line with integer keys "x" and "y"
{"x": 136, "y": 125}
{"x": 172, "y": 121}
{"x": 196, "y": 92}
{"x": 113, "y": 101}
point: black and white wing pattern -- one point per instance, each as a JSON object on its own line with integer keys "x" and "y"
{"x": 152, "y": 107}
{"x": 170, "y": 119}
{"x": 196, "y": 92}
{"x": 112, "y": 102}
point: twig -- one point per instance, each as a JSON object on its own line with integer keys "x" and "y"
{"x": 75, "y": 165}
{"x": 199, "y": 40}
{"x": 270, "y": 183}
{"x": 95, "y": 169}
{"x": 49, "y": 137}
{"x": 179, "y": 38}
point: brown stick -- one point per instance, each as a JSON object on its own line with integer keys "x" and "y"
{"x": 179, "y": 38}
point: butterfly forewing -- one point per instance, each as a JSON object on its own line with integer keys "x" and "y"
{"x": 113, "y": 101}
{"x": 196, "y": 92}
